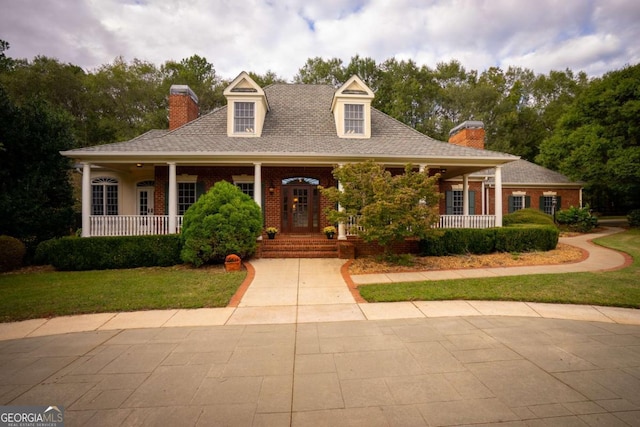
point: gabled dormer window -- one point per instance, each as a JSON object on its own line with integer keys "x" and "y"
{"x": 247, "y": 107}
{"x": 244, "y": 117}
{"x": 354, "y": 119}
{"x": 351, "y": 109}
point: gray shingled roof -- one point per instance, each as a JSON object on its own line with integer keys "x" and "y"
{"x": 524, "y": 172}
{"x": 299, "y": 121}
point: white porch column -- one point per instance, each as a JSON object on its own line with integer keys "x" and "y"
{"x": 257, "y": 188}
{"x": 342, "y": 230}
{"x": 173, "y": 199}
{"x": 465, "y": 200}
{"x": 465, "y": 195}
{"x": 257, "y": 183}
{"x": 498, "y": 196}
{"x": 86, "y": 200}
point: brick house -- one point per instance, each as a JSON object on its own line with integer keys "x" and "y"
{"x": 278, "y": 144}
{"x": 524, "y": 184}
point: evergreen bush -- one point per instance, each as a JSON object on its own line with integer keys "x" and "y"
{"x": 577, "y": 219}
{"x": 456, "y": 241}
{"x": 223, "y": 221}
{"x": 634, "y": 218}
{"x": 102, "y": 253}
{"x": 526, "y": 238}
{"x": 12, "y": 253}
{"x": 527, "y": 216}
{"x": 517, "y": 238}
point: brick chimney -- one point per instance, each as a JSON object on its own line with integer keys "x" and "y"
{"x": 468, "y": 134}
{"x": 183, "y": 106}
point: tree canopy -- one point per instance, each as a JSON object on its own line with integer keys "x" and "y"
{"x": 520, "y": 109}
{"x": 36, "y": 200}
{"x": 597, "y": 139}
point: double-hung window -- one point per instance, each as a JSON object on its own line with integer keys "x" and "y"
{"x": 354, "y": 119}
{"x": 518, "y": 201}
{"x": 244, "y": 117}
{"x": 104, "y": 196}
{"x": 457, "y": 202}
{"x": 246, "y": 188}
{"x": 186, "y": 196}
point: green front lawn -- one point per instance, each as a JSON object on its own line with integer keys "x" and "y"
{"x": 619, "y": 288}
{"x": 47, "y": 294}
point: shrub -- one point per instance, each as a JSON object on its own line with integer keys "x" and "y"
{"x": 12, "y": 253}
{"x": 527, "y": 216}
{"x": 577, "y": 219}
{"x": 517, "y": 238}
{"x": 526, "y": 238}
{"x": 101, "y": 253}
{"x": 455, "y": 241}
{"x": 223, "y": 221}
{"x": 634, "y": 218}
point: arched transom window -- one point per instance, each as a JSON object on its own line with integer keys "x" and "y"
{"x": 104, "y": 196}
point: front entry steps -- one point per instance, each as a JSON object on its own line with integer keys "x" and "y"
{"x": 298, "y": 246}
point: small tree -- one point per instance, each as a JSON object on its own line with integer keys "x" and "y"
{"x": 391, "y": 207}
{"x": 223, "y": 221}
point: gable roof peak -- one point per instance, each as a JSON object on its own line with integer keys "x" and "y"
{"x": 243, "y": 84}
{"x": 355, "y": 87}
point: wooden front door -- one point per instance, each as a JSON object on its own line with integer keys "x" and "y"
{"x": 300, "y": 208}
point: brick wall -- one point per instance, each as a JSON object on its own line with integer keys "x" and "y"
{"x": 570, "y": 197}
{"x": 271, "y": 178}
{"x": 473, "y": 186}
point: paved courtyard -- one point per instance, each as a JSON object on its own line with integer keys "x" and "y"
{"x": 428, "y": 371}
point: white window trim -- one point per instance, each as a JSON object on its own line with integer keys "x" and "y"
{"x": 364, "y": 119}
{"x": 251, "y": 131}
{"x": 242, "y": 179}
{"x": 106, "y": 180}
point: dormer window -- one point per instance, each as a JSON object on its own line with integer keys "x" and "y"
{"x": 351, "y": 107}
{"x": 354, "y": 119}
{"x": 247, "y": 107}
{"x": 244, "y": 117}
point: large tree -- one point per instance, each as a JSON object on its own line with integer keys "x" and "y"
{"x": 35, "y": 194}
{"x": 597, "y": 140}
{"x": 390, "y": 207}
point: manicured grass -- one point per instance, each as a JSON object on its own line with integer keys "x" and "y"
{"x": 619, "y": 288}
{"x": 47, "y": 294}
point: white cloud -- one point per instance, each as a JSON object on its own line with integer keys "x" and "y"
{"x": 280, "y": 35}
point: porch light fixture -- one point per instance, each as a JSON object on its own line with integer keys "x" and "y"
{"x": 443, "y": 170}
{"x": 138, "y": 165}
{"x": 271, "y": 189}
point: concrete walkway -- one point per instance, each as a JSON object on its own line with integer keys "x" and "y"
{"x": 314, "y": 290}
{"x": 599, "y": 258}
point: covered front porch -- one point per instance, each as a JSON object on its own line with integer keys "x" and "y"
{"x": 150, "y": 199}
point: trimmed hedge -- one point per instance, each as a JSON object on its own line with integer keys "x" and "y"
{"x": 459, "y": 241}
{"x": 527, "y": 216}
{"x": 103, "y": 253}
{"x": 526, "y": 238}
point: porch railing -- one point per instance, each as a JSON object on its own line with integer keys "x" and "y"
{"x": 446, "y": 221}
{"x": 467, "y": 221}
{"x": 131, "y": 225}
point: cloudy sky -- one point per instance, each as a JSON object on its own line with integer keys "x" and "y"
{"x": 594, "y": 36}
